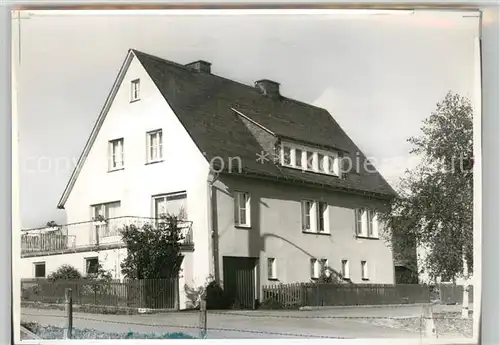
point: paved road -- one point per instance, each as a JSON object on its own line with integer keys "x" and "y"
{"x": 330, "y": 323}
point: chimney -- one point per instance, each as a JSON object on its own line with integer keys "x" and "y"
{"x": 200, "y": 66}
{"x": 268, "y": 87}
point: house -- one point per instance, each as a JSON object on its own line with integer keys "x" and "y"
{"x": 272, "y": 189}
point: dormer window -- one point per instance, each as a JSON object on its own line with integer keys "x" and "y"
{"x": 310, "y": 159}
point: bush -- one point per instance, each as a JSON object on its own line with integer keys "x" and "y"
{"x": 65, "y": 272}
{"x": 217, "y": 298}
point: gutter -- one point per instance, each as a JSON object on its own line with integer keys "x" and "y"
{"x": 212, "y": 224}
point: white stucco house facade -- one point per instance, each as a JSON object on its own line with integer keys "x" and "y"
{"x": 269, "y": 188}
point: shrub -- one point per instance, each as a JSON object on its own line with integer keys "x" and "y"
{"x": 217, "y": 298}
{"x": 65, "y": 272}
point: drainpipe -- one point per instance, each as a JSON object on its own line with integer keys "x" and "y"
{"x": 212, "y": 178}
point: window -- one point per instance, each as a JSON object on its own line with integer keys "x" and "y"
{"x": 310, "y": 160}
{"x": 91, "y": 265}
{"x": 301, "y": 157}
{"x": 359, "y": 221}
{"x": 372, "y": 224}
{"x": 298, "y": 158}
{"x": 321, "y": 213}
{"x": 39, "y": 269}
{"x": 364, "y": 270}
{"x": 287, "y": 155}
{"x": 333, "y": 165}
{"x": 135, "y": 90}
{"x": 173, "y": 204}
{"x": 103, "y": 212}
{"x": 366, "y": 223}
{"x": 271, "y": 268}
{"x": 314, "y": 216}
{"x": 314, "y": 269}
{"x": 345, "y": 269}
{"x": 155, "y": 146}
{"x": 321, "y": 166}
{"x": 323, "y": 265}
{"x": 106, "y": 211}
{"x": 116, "y": 154}
{"x": 242, "y": 209}
{"x": 306, "y": 214}
{"x": 317, "y": 266}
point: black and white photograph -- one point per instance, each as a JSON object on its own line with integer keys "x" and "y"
{"x": 247, "y": 174}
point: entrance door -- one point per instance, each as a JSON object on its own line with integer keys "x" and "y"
{"x": 239, "y": 280}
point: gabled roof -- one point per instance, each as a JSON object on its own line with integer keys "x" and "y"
{"x": 205, "y": 104}
{"x": 211, "y": 107}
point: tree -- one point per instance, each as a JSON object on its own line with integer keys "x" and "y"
{"x": 153, "y": 250}
{"x": 434, "y": 207}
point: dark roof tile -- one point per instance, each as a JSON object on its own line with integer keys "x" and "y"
{"x": 203, "y": 103}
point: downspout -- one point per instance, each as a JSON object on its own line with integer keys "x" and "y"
{"x": 212, "y": 214}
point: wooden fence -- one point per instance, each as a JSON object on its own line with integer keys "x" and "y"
{"x": 453, "y": 294}
{"x": 310, "y": 294}
{"x": 147, "y": 293}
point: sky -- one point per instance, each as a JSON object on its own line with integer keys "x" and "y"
{"x": 378, "y": 75}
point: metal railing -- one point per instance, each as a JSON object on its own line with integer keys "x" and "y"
{"x": 97, "y": 233}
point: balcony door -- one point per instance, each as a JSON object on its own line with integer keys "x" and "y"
{"x": 109, "y": 229}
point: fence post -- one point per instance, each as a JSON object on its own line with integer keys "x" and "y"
{"x": 430, "y": 329}
{"x": 69, "y": 314}
{"x": 203, "y": 315}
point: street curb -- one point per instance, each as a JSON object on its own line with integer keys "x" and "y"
{"x": 307, "y": 308}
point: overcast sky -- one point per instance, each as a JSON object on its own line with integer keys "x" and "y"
{"x": 379, "y": 76}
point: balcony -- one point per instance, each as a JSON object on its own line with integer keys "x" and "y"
{"x": 89, "y": 236}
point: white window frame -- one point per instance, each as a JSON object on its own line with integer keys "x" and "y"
{"x": 135, "y": 90}
{"x": 271, "y": 269}
{"x": 39, "y": 263}
{"x": 314, "y": 216}
{"x": 116, "y": 154}
{"x": 366, "y": 223}
{"x": 364, "y": 270}
{"x": 165, "y": 197}
{"x": 344, "y": 269}
{"x": 238, "y": 208}
{"x": 311, "y": 159}
{"x": 316, "y": 266}
{"x": 323, "y": 264}
{"x": 101, "y": 227}
{"x": 151, "y": 157}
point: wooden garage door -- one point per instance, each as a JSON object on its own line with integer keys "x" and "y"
{"x": 239, "y": 280}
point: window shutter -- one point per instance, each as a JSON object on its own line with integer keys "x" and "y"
{"x": 303, "y": 212}
{"x": 236, "y": 208}
{"x": 356, "y": 222}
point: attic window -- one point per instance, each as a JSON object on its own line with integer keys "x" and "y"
{"x": 310, "y": 159}
{"x": 135, "y": 90}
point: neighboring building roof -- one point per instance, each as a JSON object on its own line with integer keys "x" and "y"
{"x": 208, "y": 106}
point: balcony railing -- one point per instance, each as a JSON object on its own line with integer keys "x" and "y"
{"x": 95, "y": 234}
